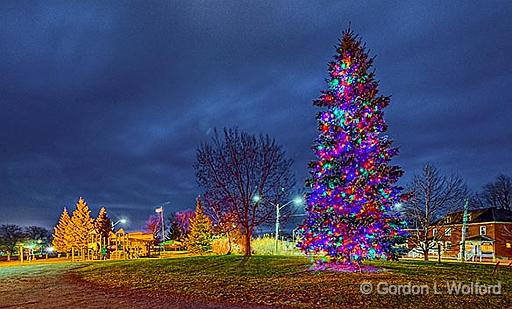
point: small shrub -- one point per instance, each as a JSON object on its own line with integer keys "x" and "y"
{"x": 220, "y": 245}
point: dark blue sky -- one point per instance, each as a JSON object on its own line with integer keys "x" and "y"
{"x": 110, "y": 102}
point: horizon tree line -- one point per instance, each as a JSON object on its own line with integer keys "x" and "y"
{"x": 35, "y": 237}
{"x": 450, "y": 192}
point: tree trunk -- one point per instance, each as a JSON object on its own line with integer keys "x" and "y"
{"x": 8, "y": 257}
{"x": 248, "y": 243}
{"x": 425, "y": 255}
{"x": 229, "y": 243}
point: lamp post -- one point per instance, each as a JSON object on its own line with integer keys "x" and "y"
{"x": 122, "y": 221}
{"x": 160, "y": 210}
{"x": 297, "y": 201}
{"x": 463, "y": 235}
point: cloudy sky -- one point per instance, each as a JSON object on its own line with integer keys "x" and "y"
{"x": 110, "y": 101}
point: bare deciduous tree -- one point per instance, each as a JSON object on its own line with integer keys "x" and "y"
{"x": 10, "y": 236}
{"x": 432, "y": 196}
{"x": 233, "y": 168}
{"x": 153, "y": 226}
{"x": 498, "y": 193}
{"x": 225, "y": 222}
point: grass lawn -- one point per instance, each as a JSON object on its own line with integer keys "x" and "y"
{"x": 287, "y": 281}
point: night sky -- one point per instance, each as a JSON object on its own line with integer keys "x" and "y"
{"x": 110, "y": 102}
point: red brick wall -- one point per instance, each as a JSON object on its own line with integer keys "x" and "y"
{"x": 503, "y": 236}
{"x": 500, "y": 232}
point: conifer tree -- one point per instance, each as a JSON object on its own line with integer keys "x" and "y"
{"x": 353, "y": 185}
{"x": 81, "y": 224}
{"x": 102, "y": 224}
{"x": 60, "y": 242}
{"x": 69, "y": 235}
{"x": 199, "y": 239}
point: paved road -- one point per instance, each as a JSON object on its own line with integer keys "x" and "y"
{"x": 53, "y": 286}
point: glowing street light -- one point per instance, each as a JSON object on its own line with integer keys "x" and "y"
{"x": 122, "y": 221}
{"x": 298, "y": 200}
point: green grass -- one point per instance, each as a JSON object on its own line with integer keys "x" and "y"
{"x": 287, "y": 281}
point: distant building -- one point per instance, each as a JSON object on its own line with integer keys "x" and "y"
{"x": 488, "y": 234}
{"x": 132, "y": 245}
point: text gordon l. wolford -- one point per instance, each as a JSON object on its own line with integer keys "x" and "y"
{"x": 449, "y": 287}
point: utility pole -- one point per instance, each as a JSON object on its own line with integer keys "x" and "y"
{"x": 20, "y": 252}
{"x": 160, "y": 210}
{"x": 163, "y": 225}
{"x": 464, "y": 226}
{"x": 297, "y": 201}
{"x": 278, "y": 214}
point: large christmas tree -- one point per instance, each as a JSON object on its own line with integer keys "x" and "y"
{"x": 352, "y": 184}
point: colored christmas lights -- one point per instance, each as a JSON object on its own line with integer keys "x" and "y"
{"x": 352, "y": 184}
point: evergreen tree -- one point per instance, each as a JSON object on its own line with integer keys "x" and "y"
{"x": 102, "y": 224}
{"x": 352, "y": 184}
{"x": 81, "y": 224}
{"x": 199, "y": 238}
{"x": 179, "y": 224}
{"x": 60, "y": 242}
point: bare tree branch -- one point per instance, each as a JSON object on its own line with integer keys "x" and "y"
{"x": 233, "y": 168}
{"x": 498, "y": 193}
{"x": 432, "y": 196}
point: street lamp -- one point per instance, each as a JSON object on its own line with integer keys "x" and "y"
{"x": 298, "y": 200}
{"x": 122, "y": 221}
{"x": 160, "y": 210}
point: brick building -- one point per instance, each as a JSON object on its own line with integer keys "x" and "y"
{"x": 488, "y": 234}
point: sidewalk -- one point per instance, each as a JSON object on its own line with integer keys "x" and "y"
{"x": 453, "y": 260}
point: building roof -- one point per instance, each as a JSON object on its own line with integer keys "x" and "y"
{"x": 480, "y": 238}
{"x": 479, "y": 215}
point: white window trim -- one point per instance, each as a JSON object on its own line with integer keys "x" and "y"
{"x": 448, "y": 231}
{"x": 484, "y": 229}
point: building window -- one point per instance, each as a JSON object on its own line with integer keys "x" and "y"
{"x": 508, "y": 245}
{"x": 483, "y": 230}
{"x": 448, "y": 231}
{"x": 448, "y": 245}
{"x": 434, "y": 232}
{"x": 448, "y": 219}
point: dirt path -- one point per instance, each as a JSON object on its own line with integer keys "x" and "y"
{"x": 52, "y": 286}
